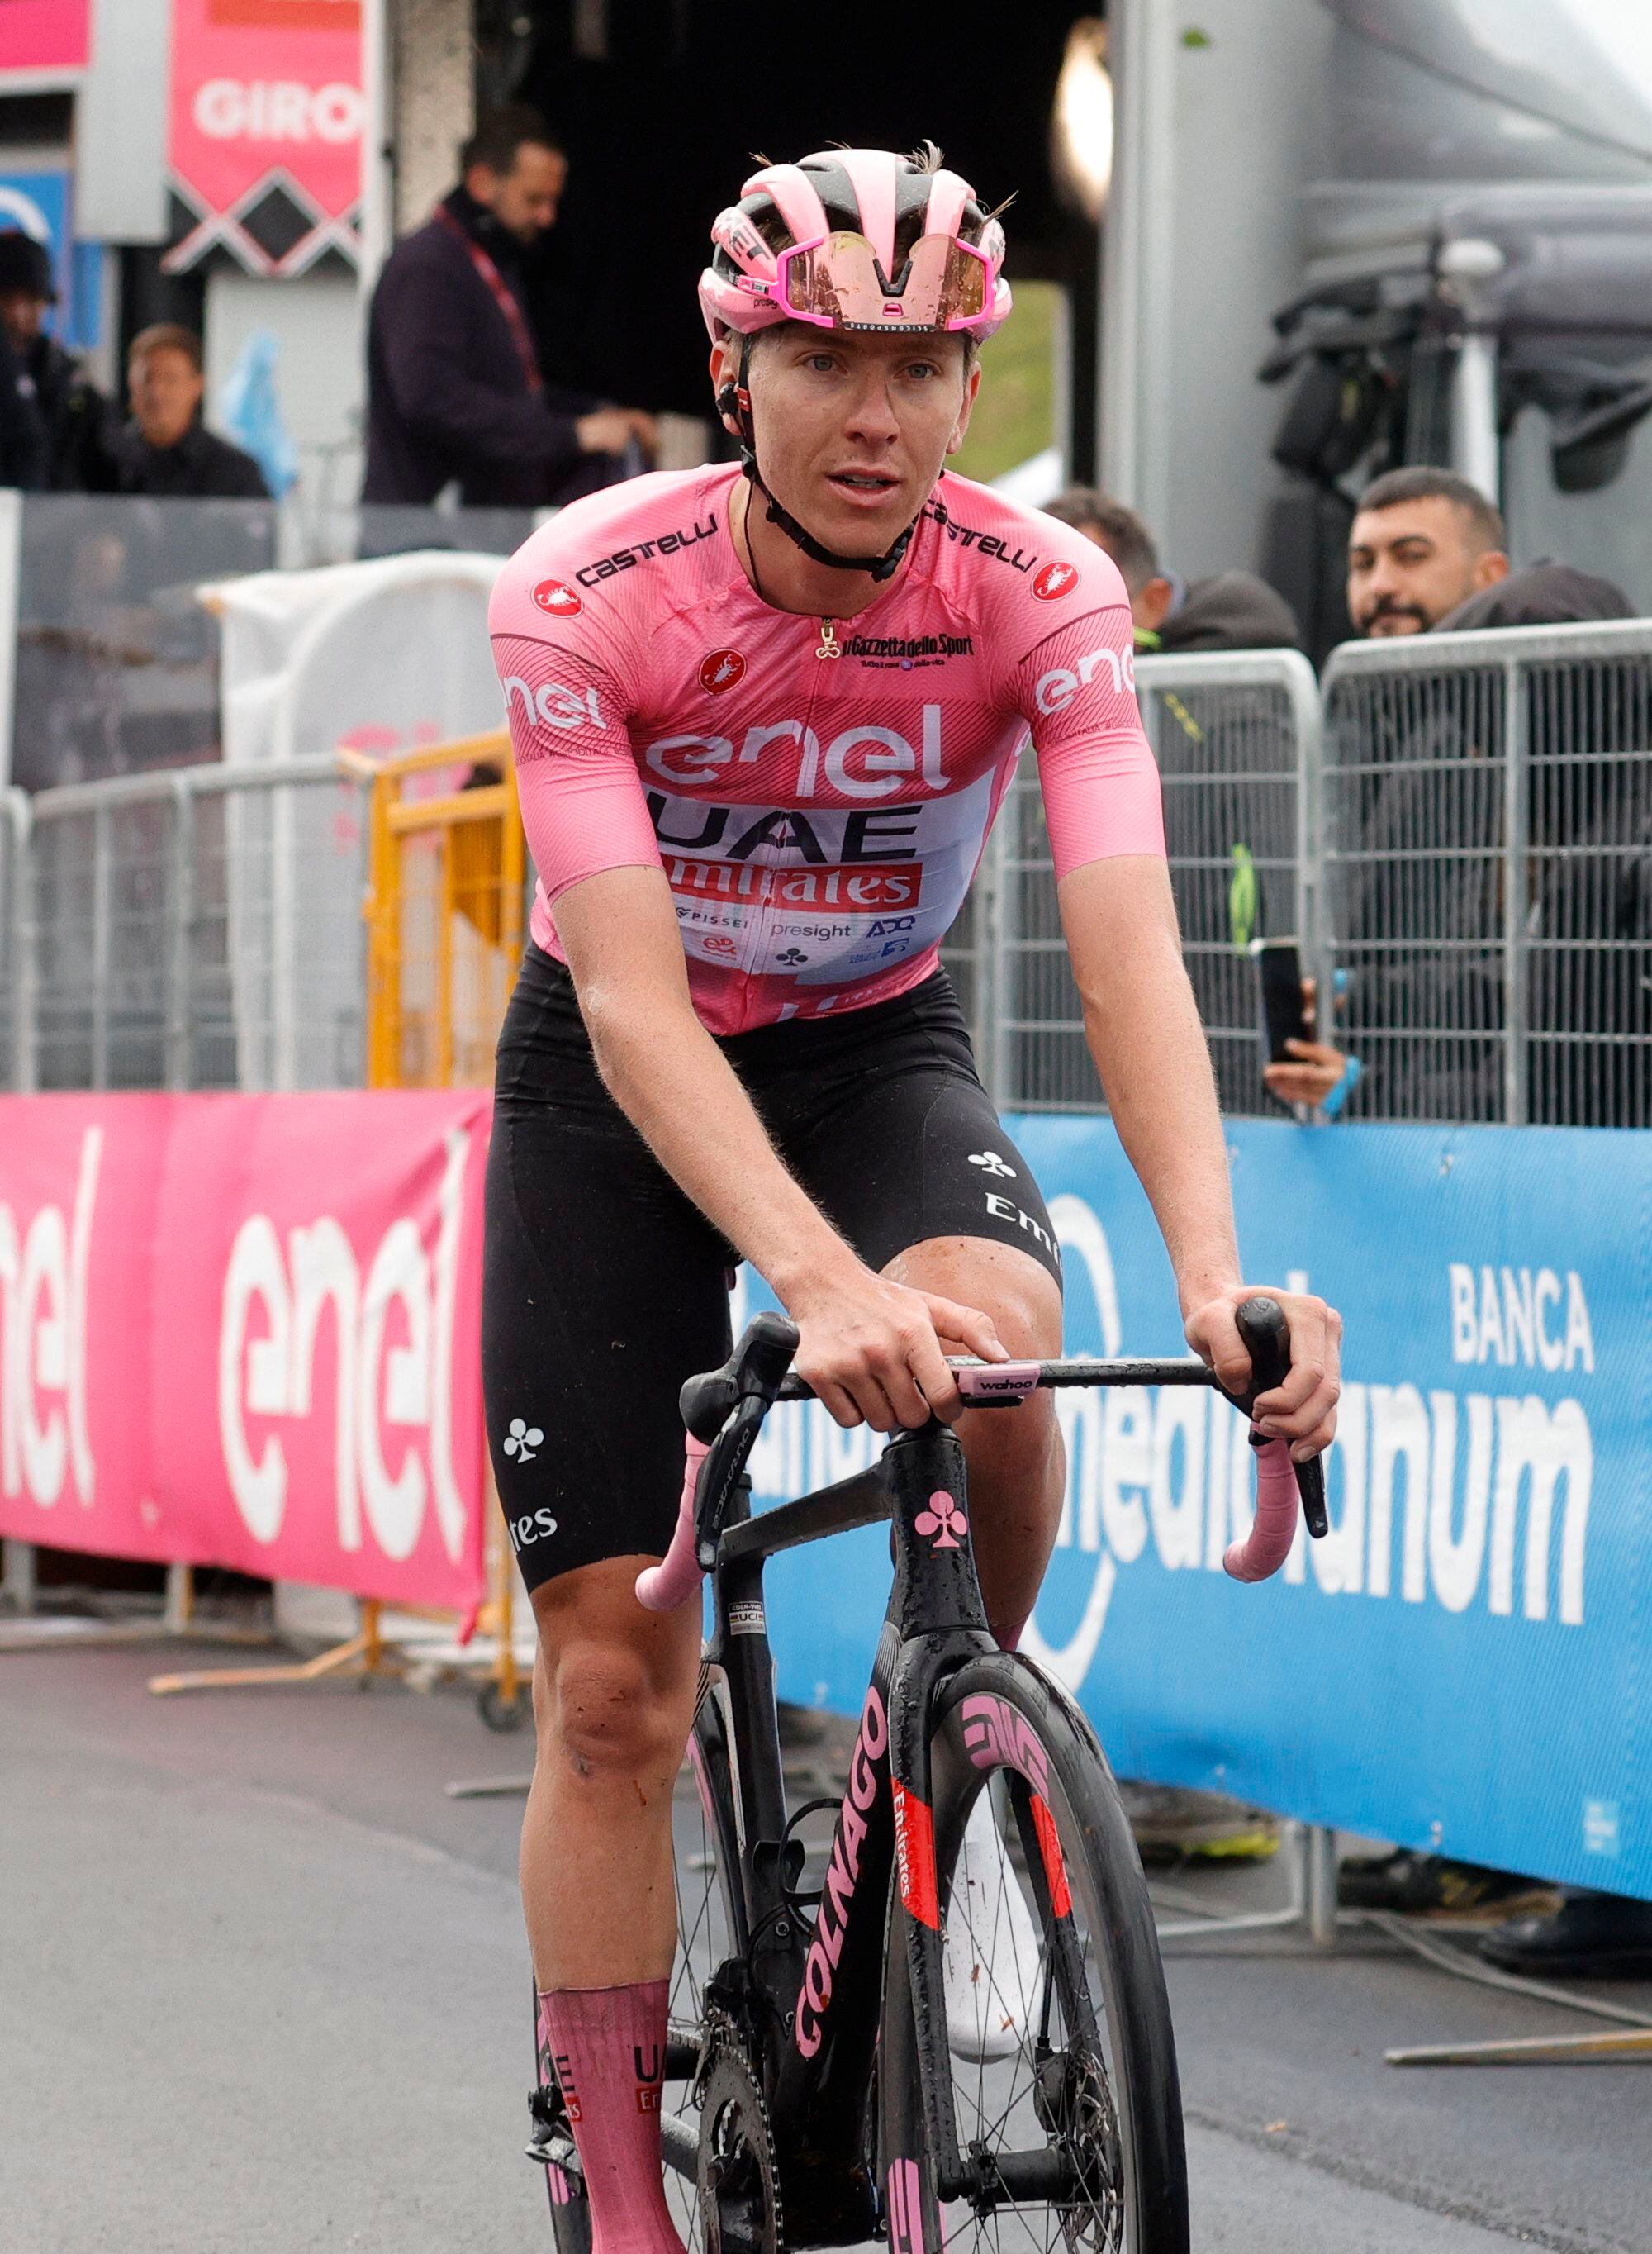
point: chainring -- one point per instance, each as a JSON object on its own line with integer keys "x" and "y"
{"x": 739, "y": 2174}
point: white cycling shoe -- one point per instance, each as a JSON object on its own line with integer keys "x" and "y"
{"x": 990, "y": 1947}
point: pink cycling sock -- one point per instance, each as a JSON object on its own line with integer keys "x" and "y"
{"x": 608, "y": 2046}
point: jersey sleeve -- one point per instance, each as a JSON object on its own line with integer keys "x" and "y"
{"x": 582, "y": 798}
{"x": 1077, "y": 690}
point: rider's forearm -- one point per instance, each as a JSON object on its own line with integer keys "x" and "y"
{"x": 678, "y": 1089}
{"x": 1143, "y": 1027}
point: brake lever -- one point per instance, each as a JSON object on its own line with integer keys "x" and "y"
{"x": 1267, "y": 1339}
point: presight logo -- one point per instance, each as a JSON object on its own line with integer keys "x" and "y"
{"x": 557, "y": 598}
{"x": 723, "y": 669}
{"x": 1055, "y": 580}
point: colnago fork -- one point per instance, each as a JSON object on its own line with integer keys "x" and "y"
{"x": 825, "y": 2095}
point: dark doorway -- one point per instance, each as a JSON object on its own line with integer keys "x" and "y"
{"x": 663, "y": 103}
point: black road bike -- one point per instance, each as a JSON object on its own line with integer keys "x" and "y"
{"x": 814, "y": 2095}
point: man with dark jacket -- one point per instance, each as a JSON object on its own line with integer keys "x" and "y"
{"x": 166, "y": 450}
{"x": 455, "y": 392}
{"x": 1231, "y": 610}
{"x": 73, "y": 413}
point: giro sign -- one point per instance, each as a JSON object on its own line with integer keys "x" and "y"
{"x": 1487, "y": 1554}
{"x": 268, "y": 119}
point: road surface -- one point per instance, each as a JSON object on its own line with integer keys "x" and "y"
{"x": 265, "y": 1992}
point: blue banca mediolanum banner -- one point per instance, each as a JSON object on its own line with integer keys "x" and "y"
{"x": 1462, "y": 1666}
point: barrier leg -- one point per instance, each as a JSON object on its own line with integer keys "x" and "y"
{"x": 180, "y": 1599}
{"x": 17, "y": 1580}
{"x": 365, "y": 1653}
{"x": 1529, "y": 2050}
{"x": 1295, "y": 1912}
{"x": 1634, "y": 2046}
{"x": 1319, "y": 1848}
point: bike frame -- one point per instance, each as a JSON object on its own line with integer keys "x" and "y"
{"x": 811, "y": 1997}
{"x": 818, "y": 1993}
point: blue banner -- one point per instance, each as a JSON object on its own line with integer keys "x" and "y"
{"x": 1462, "y": 1665}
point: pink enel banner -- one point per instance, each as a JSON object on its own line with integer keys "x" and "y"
{"x": 244, "y": 1331}
{"x": 44, "y": 37}
{"x": 267, "y": 97}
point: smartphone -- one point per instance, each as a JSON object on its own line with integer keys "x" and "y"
{"x": 1279, "y": 987}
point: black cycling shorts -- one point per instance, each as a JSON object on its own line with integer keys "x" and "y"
{"x": 604, "y": 1287}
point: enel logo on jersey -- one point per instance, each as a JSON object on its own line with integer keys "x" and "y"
{"x": 557, "y": 598}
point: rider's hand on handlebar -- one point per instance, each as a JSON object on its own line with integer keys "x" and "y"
{"x": 872, "y": 1349}
{"x": 1303, "y": 1410}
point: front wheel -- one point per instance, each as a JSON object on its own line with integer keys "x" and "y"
{"x": 1064, "y": 2083}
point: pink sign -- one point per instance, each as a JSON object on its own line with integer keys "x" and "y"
{"x": 267, "y": 115}
{"x": 44, "y": 38}
{"x": 244, "y": 1331}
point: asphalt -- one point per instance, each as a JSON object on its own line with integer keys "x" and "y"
{"x": 265, "y": 1991}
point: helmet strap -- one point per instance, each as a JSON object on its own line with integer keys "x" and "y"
{"x": 734, "y": 399}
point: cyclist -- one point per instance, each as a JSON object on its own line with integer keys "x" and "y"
{"x": 763, "y": 718}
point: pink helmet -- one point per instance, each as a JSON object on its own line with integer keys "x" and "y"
{"x": 856, "y": 238}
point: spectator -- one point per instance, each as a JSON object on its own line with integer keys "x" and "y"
{"x": 453, "y": 386}
{"x": 166, "y": 450}
{"x": 74, "y": 414}
{"x": 1234, "y": 610}
{"x": 1232, "y": 844}
{"x": 23, "y": 447}
{"x": 1423, "y": 541}
{"x": 1427, "y": 554}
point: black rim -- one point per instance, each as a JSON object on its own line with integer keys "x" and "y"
{"x": 1086, "y": 2087}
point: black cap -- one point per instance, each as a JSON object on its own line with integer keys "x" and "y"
{"x": 25, "y": 265}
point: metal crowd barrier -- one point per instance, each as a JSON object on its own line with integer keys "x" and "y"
{"x": 1488, "y": 827}
{"x": 1462, "y": 844}
{"x": 1236, "y": 736}
{"x": 181, "y": 930}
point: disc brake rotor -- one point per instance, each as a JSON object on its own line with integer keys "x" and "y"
{"x": 1073, "y": 2104}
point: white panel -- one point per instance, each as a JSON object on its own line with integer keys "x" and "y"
{"x": 120, "y": 138}
{"x": 1215, "y": 142}
{"x": 317, "y": 321}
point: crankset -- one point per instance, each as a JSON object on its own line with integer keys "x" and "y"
{"x": 739, "y": 2171}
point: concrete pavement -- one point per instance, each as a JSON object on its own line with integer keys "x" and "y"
{"x": 265, "y": 1991}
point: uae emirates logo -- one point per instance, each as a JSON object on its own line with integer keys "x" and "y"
{"x": 558, "y": 597}
{"x": 721, "y": 670}
{"x": 1055, "y": 580}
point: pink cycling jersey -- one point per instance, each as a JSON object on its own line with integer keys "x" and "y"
{"x": 817, "y": 793}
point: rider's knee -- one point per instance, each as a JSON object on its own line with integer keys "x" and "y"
{"x": 1018, "y": 1446}
{"x": 609, "y": 1712}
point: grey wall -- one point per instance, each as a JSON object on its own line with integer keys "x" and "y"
{"x": 1214, "y": 142}
{"x": 120, "y": 127}
{"x": 432, "y": 99}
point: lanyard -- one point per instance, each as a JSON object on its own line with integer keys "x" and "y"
{"x": 503, "y": 297}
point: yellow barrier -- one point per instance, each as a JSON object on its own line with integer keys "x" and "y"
{"x": 445, "y": 910}
{"x": 446, "y": 916}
